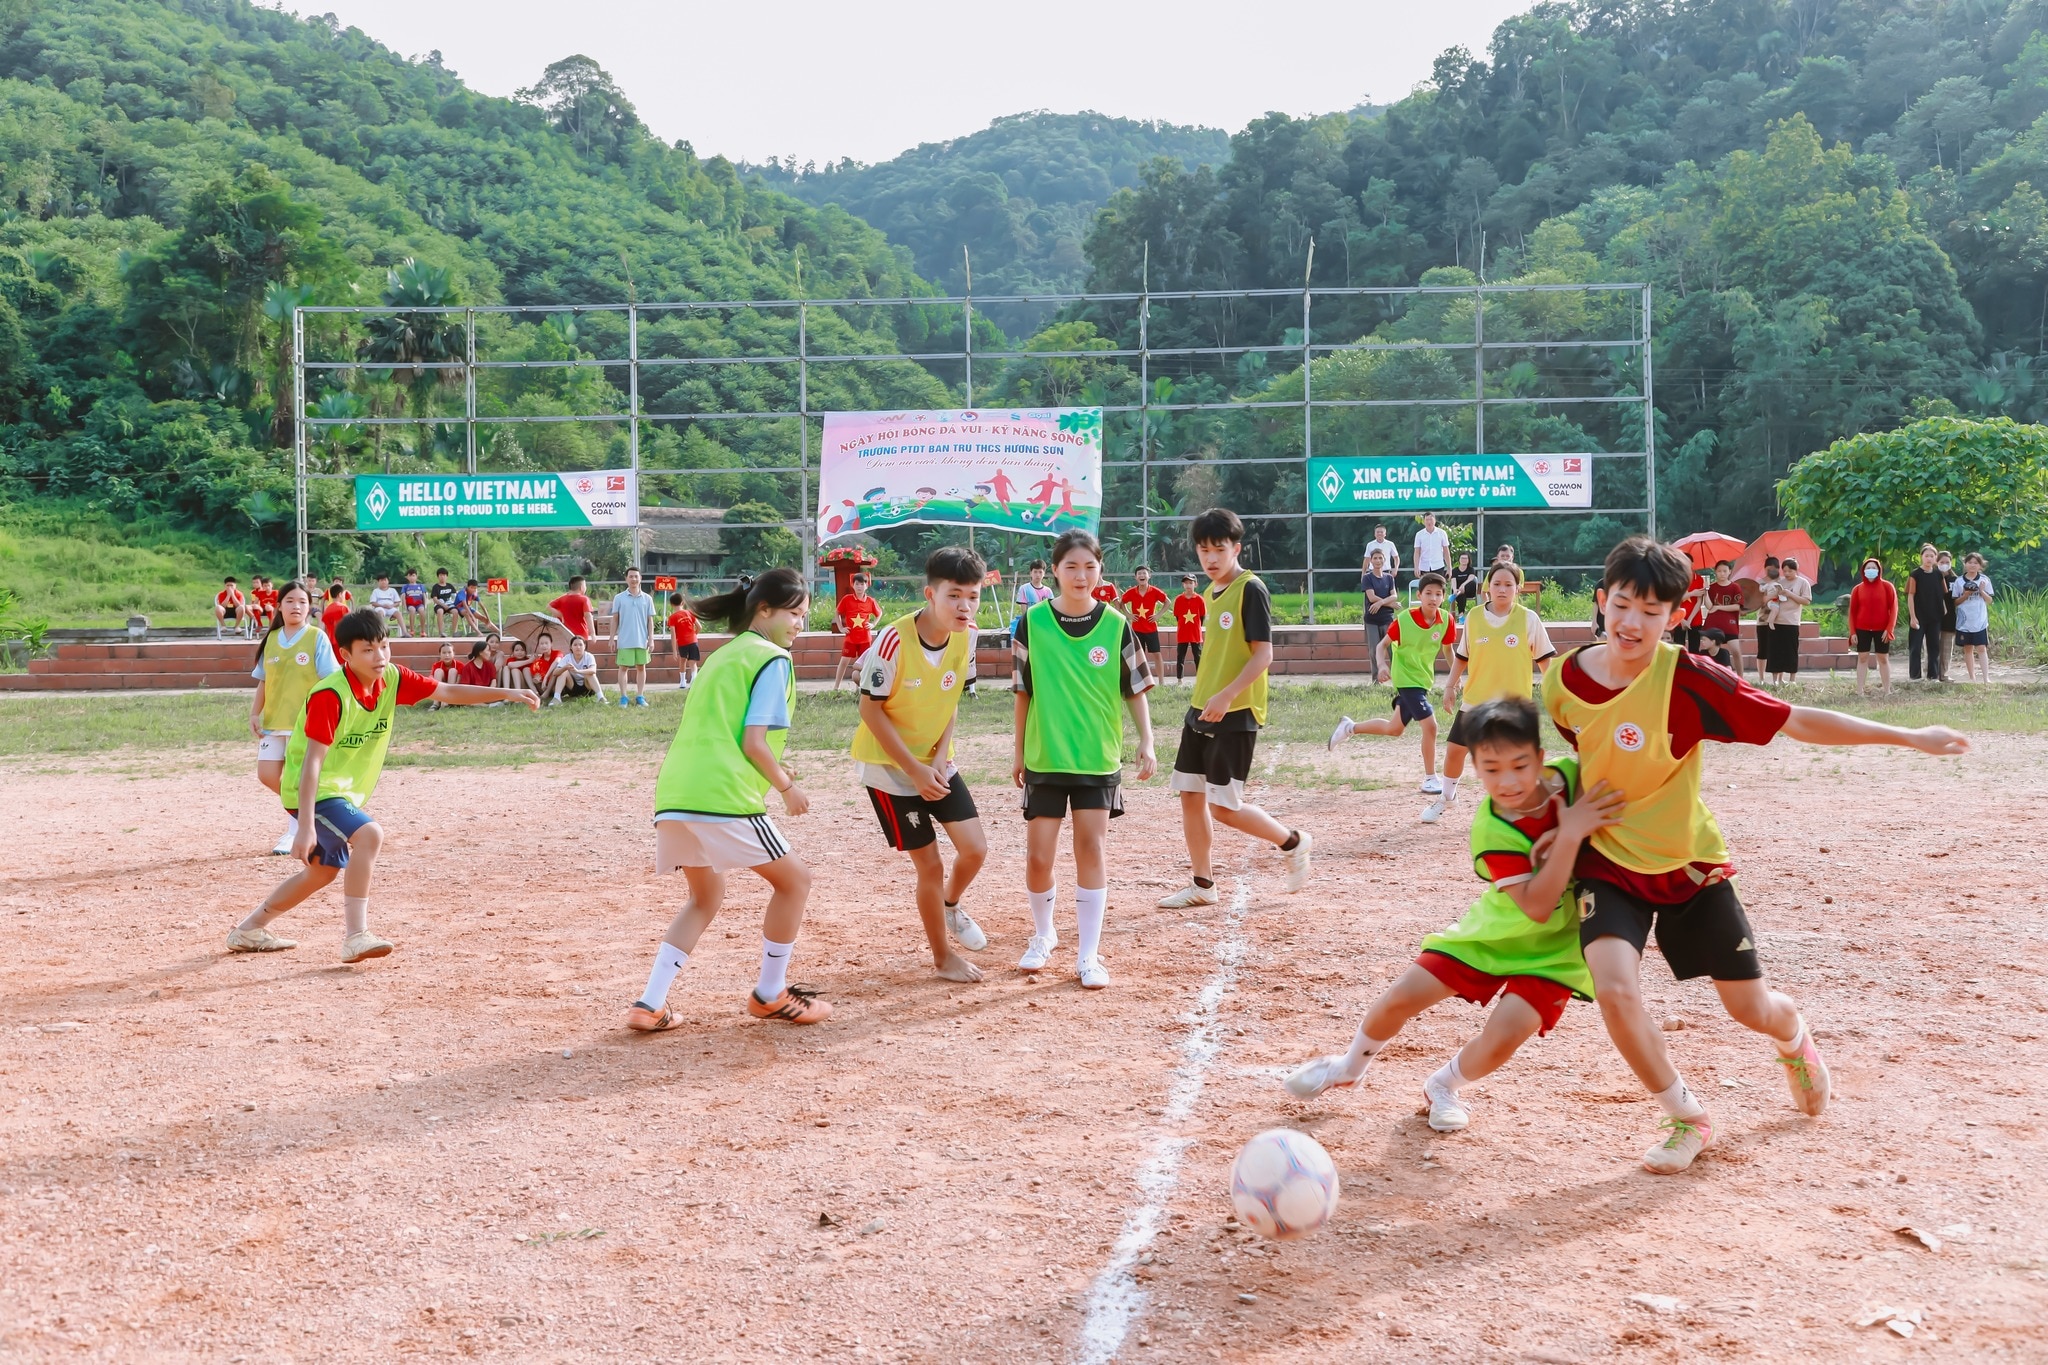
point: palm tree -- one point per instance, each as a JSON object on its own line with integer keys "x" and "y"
{"x": 280, "y": 302}
{"x": 409, "y": 342}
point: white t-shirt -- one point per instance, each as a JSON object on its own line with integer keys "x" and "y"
{"x": 587, "y": 664}
{"x": 877, "y": 674}
{"x": 1432, "y": 550}
{"x": 1390, "y": 558}
{"x": 384, "y": 599}
{"x": 1974, "y": 613}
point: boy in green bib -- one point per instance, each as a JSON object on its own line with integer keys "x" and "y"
{"x": 1518, "y": 941}
{"x": 1221, "y": 729}
{"x": 1407, "y": 655}
{"x": 1073, "y": 659}
{"x": 331, "y": 765}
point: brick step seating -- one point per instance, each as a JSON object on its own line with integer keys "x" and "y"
{"x": 186, "y": 663}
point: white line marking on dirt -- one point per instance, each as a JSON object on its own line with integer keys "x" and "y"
{"x": 1114, "y": 1300}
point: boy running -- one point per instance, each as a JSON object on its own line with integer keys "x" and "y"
{"x": 330, "y": 768}
{"x": 711, "y": 799}
{"x": 857, "y": 614}
{"x": 1221, "y": 728}
{"x": 682, "y": 633}
{"x": 1519, "y": 941}
{"x": 910, "y": 685}
{"x": 1072, "y": 658}
{"x": 1408, "y": 654}
{"x": 1638, "y": 711}
{"x": 1142, "y": 602}
{"x": 1189, "y": 609}
{"x": 632, "y": 613}
{"x": 1496, "y": 655}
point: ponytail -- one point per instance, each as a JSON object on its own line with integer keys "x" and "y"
{"x": 775, "y": 590}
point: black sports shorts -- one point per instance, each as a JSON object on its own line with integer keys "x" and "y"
{"x": 1708, "y": 935}
{"x": 910, "y": 822}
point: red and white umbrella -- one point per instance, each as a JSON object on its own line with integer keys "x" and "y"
{"x": 1707, "y": 548}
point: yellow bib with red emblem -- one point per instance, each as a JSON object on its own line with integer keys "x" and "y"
{"x": 926, "y": 696}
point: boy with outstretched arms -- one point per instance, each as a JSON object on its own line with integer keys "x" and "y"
{"x": 1518, "y": 941}
{"x": 1499, "y": 647}
{"x": 1141, "y": 602}
{"x": 1638, "y": 711}
{"x": 331, "y": 765}
{"x": 1408, "y": 655}
{"x": 1189, "y": 611}
{"x": 911, "y": 680}
{"x": 1224, "y": 715}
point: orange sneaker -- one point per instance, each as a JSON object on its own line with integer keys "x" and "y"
{"x": 796, "y": 1005}
{"x": 641, "y": 1019}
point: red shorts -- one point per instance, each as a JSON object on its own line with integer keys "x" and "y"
{"x": 849, "y": 650}
{"x": 1545, "y": 996}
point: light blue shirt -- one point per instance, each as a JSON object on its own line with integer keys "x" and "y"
{"x": 324, "y": 661}
{"x": 633, "y": 619}
{"x": 1973, "y": 613}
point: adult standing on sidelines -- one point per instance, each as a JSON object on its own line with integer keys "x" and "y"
{"x": 1382, "y": 600}
{"x": 1873, "y": 620}
{"x": 1432, "y": 547}
{"x": 632, "y": 613}
{"x": 1926, "y": 601}
{"x": 1945, "y": 566}
{"x": 1390, "y": 556}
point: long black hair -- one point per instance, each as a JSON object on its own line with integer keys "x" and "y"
{"x": 776, "y": 590}
{"x": 277, "y": 621}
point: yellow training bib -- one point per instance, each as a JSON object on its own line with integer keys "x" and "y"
{"x": 926, "y": 696}
{"x": 1498, "y": 658}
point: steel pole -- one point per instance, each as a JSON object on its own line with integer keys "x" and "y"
{"x": 469, "y": 411}
{"x": 1308, "y": 445}
{"x": 1479, "y": 415}
{"x": 299, "y": 434}
{"x": 808, "y": 537}
{"x": 1649, "y": 423}
{"x": 633, "y": 419}
{"x": 1144, "y": 410}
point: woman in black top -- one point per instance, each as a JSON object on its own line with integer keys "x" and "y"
{"x": 1464, "y": 584}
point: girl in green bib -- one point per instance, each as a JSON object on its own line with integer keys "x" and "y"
{"x": 1518, "y": 941}
{"x": 1073, "y": 660}
{"x": 711, "y": 799}
{"x": 292, "y": 656}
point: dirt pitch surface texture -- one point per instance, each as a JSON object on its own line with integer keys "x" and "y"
{"x": 457, "y": 1150}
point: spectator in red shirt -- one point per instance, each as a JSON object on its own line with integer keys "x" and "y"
{"x": 573, "y": 607}
{"x": 1724, "y": 610}
{"x": 858, "y": 613}
{"x": 1873, "y": 620}
{"x": 263, "y": 601}
{"x": 1105, "y": 591}
{"x": 331, "y": 614}
{"x": 230, "y": 608}
{"x": 1142, "y": 602}
{"x": 682, "y": 632}
{"x": 1189, "y": 609}
{"x": 481, "y": 668}
{"x": 543, "y": 661}
{"x": 342, "y": 839}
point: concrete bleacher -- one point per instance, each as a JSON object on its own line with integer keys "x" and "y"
{"x": 120, "y": 665}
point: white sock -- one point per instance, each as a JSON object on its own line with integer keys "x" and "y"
{"x": 1790, "y": 1046}
{"x": 1451, "y": 788}
{"x": 259, "y": 918}
{"x": 291, "y": 829}
{"x": 1679, "y": 1101}
{"x": 355, "y": 915}
{"x": 774, "y": 969}
{"x": 1448, "y": 1077}
{"x": 1041, "y": 909}
{"x": 1361, "y": 1052}
{"x": 1090, "y": 902}
{"x": 668, "y": 960}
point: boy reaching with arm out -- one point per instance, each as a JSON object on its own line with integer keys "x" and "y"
{"x": 331, "y": 766}
{"x": 910, "y": 684}
{"x": 1519, "y": 941}
{"x": 1638, "y": 711}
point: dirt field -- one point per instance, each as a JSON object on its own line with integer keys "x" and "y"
{"x": 457, "y": 1151}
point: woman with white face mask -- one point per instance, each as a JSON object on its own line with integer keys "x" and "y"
{"x": 1873, "y": 620}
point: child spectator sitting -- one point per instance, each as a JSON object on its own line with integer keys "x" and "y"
{"x": 481, "y": 668}
{"x": 263, "y": 602}
{"x": 471, "y": 606}
{"x": 1714, "y": 645}
{"x": 540, "y": 668}
{"x": 413, "y": 594}
{"x": 514, "y": 665}
{"x": 230, "y": 608}
{"x": 444, "y": 594}
{"x": 445, "y": 668}
{"x": 577, "y": 674}
{"x": 385, "y": 601}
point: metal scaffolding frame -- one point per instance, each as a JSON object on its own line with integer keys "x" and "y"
{"x": 1144, "y": 355}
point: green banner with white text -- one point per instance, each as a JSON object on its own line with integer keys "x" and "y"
{"x": 492, "y": 502}
{"x": 1423, "y": 483}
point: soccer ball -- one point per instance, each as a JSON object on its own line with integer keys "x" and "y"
{"x": 1283, "y": 1184}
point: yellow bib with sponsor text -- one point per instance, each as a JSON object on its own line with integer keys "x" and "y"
{"x": 926, "y": 696}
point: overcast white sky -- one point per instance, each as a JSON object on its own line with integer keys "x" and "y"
{"x": 872, "y": 78}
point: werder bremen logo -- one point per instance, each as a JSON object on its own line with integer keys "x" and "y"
{"x": 378, "y": 501}
{"x": 1331, "y": 483}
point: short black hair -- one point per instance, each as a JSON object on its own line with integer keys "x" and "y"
{"x": 1142, "y": 568}
{"x": 1716, "y": 634}
{"x": 229, "y": 579}
{"x": 1037, "y": 564}
{"x": 1217, "y": 526}
{"x": 470, "y": 584}
{"x": 440, "y": 571}
{"x": 1509, "y": 723}
{"x": 955, "y": 564}
{"x": 361, "y": 624}
{"x": 576, "y": 581}
{"x": 335, "y": 591}
{"x": 1650, "y": 567}
{"x": 1432, "y": 579}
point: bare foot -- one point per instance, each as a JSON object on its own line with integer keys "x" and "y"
{"x": 953, "y": 967}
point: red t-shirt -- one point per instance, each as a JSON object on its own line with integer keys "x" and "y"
{"x": 1725, "y": 599}
{"x": 859, "y": 614}
{"x": 682, "y": 624}
{"x": 479, "y": 672}
{"x": 1506, "y": 869}
{"x": 574, "y": 609}
{"x": 1698, "y": 611}
{"x": 330, "y": 617}
{"x": 323, "y": 709}
{"x": 266, "y": 598}
{"x": 541, "y": 662}
{"x": 1707, "y": 702}
{"x": 1188, "y": 610}
{"x": 228, "y": 597}
{"x": 1144, "y": 604}
{"x": 1873, "y": 605}
{"x": 1104, "y": 592}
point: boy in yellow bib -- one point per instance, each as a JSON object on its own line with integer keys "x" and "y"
{"x": 1638, "y": 710}
{"x": 1499, "y": 647}
{"x": 911, "y": 680}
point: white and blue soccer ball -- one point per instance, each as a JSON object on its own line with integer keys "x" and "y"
{"x": 1283, "y": 1184}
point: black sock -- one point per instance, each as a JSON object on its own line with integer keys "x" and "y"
{"x": 1293, "y": 841}
{"x": 1204, "y": 882}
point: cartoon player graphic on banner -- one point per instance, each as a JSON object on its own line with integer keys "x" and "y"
{"x": 962, "y": 468}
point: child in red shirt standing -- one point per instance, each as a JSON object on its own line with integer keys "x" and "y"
{"x": 858, "y": 613}
{"x": 336, "y": 608}
{"x": 574, "y": 608}
{"x": 682, "y": 631}
{"x": 1142, "y": 602}
{"x": 1188, "y": 611}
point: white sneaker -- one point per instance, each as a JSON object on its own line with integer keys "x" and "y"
{"x": 257, "y": 941}
{"x": 1447, "y": 1113}
{"x": 365, "y": 945}
{"x": 965, "y": 931}
{"x": 1313, "y": 1077}
{"x": 1434, "y": 811}
{"x": 1187, "y": 896}
{"x": 283, "y": 847}
{"x": 1297, "y": 861}
{"x": 1094, "y": 976}
{"x": 1689, "y": 1137}
{"x": 1433, "y": 785}
{"x": 1037, "y": 953}
{"x": 1342, "y": 732}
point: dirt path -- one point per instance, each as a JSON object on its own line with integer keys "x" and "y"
{"x": 280, "y": 1158}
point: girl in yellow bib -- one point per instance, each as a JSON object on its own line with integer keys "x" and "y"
{"x": 293, "y": 655}
{"x": 1500, "y": 645}
{"x": 911, "y": 680}
{"x": 711, "y": 799}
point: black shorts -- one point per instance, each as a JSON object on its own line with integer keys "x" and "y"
{"x": 690, "y": 651}
{"x": 1457, "y": 735}
{"x": 1708, "y": 935}
{"x": 1217, "y": 765}
{"x": 1872, "y": 642}
{"x": 1413, "y": 704}
{"x": 910, "y": 822}
{"x": 1979, "y": 638}
{"x": 1049, "y": 800}
{"x": 1148, "y": 640}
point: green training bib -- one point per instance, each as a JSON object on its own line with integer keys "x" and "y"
{"x": 706, "y": 772}
{"x": 356, "y": 758}
{"x": 1073, "y": 725}
{"x": 1414, "y": 653}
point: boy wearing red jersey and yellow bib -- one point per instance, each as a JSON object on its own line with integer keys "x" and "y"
{"x": 911, "y": 681}
{"x": 1637, "y": 710}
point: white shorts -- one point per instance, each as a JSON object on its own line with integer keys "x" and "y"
{"x": 270, "y": 748}
{"x": 721, "y": 845}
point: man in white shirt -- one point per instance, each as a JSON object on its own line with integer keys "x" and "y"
{"x": 1390, "y": 558}
{"x": 1432, "y": 546}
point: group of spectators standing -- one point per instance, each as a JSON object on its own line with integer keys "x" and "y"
{"x": 1944, "y": 610}
{"x": 1141, "y": 603}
